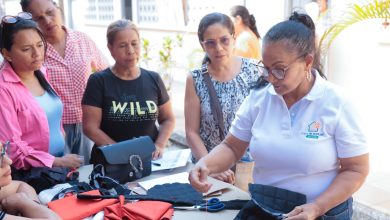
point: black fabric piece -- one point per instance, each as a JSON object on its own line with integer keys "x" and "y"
{"x": 276, "y": 199}
{"x": 269, "y": 203}
{"x": 41, "y": 178}
{"x": 252, "y": 212}
{"x": 236, "y": 204}
{"x": 105, "y": 184}
{"x": 178, "y": 194}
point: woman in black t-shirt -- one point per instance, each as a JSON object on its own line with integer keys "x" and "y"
{"x": 125, "y": 101}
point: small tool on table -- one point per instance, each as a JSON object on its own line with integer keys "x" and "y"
{"x": 211, "y": 205}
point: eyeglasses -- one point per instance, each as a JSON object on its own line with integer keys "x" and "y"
{"x": 212, "y": 43}
{"x": 9, "y": 19}
{"x": 277, "y": 73}
{"x": 4, "y": 152}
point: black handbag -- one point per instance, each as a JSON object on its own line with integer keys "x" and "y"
{"x": 128, "y": 160}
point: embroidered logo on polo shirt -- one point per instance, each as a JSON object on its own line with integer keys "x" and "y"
{"x": 313, "y": 130}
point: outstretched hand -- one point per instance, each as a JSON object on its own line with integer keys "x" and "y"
{"x": 198, "y": 178}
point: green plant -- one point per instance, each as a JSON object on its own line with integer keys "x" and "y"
{"x": 165, "y": 53}
{"x": 356, "y": 13}
{"x": 145, "y": 56}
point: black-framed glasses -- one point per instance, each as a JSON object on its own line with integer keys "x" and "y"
{"x": 212, "y": 43}
{"x": 276, "y": 72}
{"x": 3, "y": 152}
{"x": 10, "y": 19}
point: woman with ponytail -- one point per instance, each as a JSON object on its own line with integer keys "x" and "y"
{"x": 302, "y": 131}
{"x": 247, "y": 36}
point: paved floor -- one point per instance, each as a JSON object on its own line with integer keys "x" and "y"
{"x": 375, "y": 193}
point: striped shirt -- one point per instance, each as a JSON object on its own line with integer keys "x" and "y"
{"x": 69, "y": 74}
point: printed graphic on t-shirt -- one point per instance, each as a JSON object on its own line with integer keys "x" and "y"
{"x": 133, "y": 111}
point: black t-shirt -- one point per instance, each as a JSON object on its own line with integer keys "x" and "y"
{"x": 129, "y": 107}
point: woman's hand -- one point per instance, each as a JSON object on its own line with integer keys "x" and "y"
{"x": 198, "y": 177}
{"x": 226, "y": 176}
{"x": 158, "y": 152}
{"x": 70, "y": 161}
{"x": 308, "y": 211}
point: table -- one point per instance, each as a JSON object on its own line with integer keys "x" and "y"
{"x": 230, "y": 194}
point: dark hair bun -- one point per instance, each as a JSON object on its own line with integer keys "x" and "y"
{"x": 303, "y": 19}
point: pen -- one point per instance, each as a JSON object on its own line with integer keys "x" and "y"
{"x": 156, "y": 164}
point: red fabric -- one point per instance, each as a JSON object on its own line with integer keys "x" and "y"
{"x": 141, "y": 210}
{"x": 71, "y": 208}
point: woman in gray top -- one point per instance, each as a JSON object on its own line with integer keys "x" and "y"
{"x": 231, "y": 77}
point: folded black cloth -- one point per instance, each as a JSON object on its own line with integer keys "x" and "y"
{"x": 178, "y": 194}
{"x": 235, "y": 204}
{"x": 269, "y": 203}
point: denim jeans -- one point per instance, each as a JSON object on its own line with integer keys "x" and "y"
{"x": 77, "y": 142}
{"x": 340, "y": 212}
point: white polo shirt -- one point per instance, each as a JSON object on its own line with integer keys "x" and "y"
{"x": 298, "y": 148}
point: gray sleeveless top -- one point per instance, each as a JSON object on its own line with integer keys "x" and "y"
{"x": 230, "y": 95}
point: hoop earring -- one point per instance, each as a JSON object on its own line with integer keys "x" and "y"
{"x": 308, "y": 75}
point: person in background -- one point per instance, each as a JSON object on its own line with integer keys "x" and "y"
{"x": 125, "y": 101}
{"x": 30, "y": 110}
{"x": 18, "y": 200}
{"x": 316, "y": 147}
{"x": 247, "y": 37}
{"x": 231, "y": 78}
{"x": 71, "y": 57}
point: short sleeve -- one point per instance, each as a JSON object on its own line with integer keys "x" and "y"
{"x": 242, "y": 124}
{"x": 93, "y": 94}
{"x": 163, "y": 96}
{"x": 349, "y": 135}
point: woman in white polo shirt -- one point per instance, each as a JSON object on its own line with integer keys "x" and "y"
{"x": 302, "y": 130}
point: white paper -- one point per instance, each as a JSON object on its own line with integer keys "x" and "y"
{"x": 172, "y": 159}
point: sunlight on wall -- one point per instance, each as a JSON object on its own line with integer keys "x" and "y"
{"x": 359, "y": 61}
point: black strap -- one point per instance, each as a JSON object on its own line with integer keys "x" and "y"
{"x": 214, "y": 102}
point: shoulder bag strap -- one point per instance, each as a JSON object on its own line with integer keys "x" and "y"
{"x": 214, "y": 103}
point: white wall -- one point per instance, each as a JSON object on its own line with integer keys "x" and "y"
{"x": 359, "y": 61}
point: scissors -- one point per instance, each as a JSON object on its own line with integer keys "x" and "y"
{"x": 211, "y": 205}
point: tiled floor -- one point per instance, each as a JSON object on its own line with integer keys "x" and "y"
{"x": 375, "y": 193}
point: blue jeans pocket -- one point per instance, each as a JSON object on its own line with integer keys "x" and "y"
{"x": 340, "y": 212}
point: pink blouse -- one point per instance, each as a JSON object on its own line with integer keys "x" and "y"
{"x": 23, "y": 122}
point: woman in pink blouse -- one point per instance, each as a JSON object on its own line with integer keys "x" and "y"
{"x": 30, "y": 110}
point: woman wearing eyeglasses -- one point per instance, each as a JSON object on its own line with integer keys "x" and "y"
{"x": 71, "y": 58}
{"x": 302, "y": 130}
{"x": 18, "y": 200}
{"x": 30, "y": 110}
{"x": 231, "y": 79}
